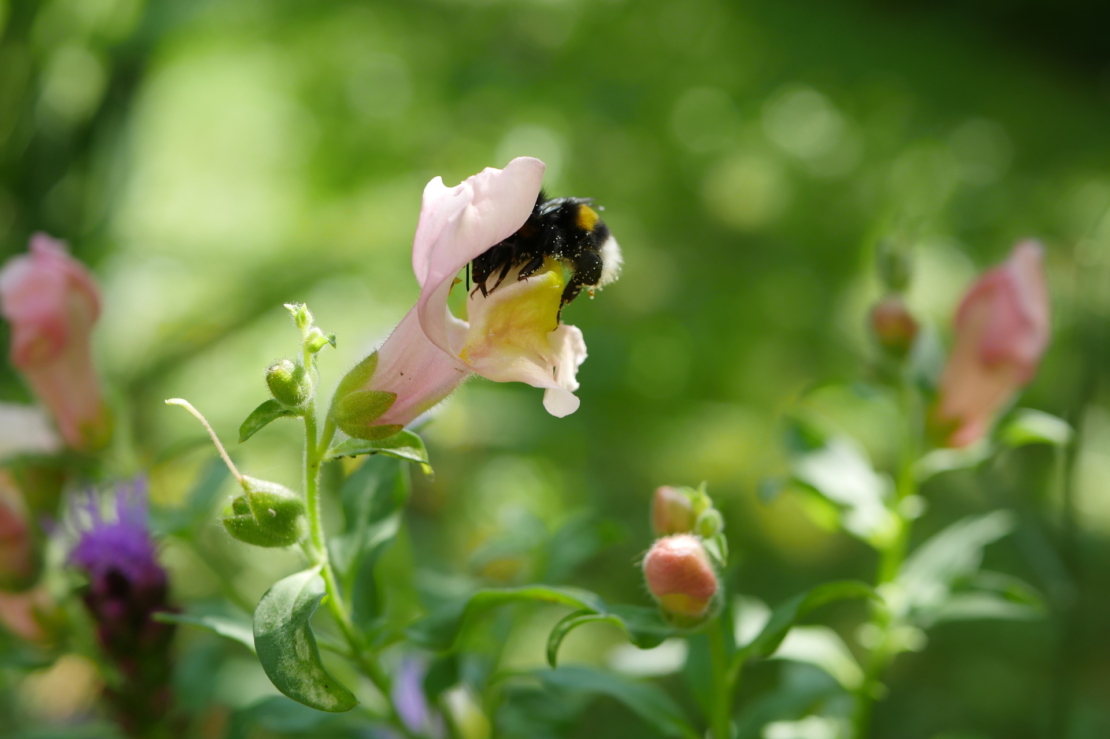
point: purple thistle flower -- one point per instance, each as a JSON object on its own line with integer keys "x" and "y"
{"x": 126, "y": 587}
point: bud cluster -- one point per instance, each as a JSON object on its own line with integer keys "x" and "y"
{"x": 680, "y": 569}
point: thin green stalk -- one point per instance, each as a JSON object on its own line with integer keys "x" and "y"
{"x": 891, "y": 559}
{"x": 721, "y": 705}
{"x": 366, "y": 661}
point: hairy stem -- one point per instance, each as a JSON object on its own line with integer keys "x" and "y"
{"x": 723, "y": 683}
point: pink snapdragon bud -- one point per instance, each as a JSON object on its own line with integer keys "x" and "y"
{"x": 680, "y": 576}
{"x": 18, "y": 558}
{"x": 51, "y": 301}
{"x": 513, "y": 334}
{"x": 894, "y": 326}
{"x": 1002, "y": 329}
{"x": 672, "y": 511}
{"x": 30, "y": 615}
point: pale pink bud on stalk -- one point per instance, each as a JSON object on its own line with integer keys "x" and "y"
{"x": 680, "y": 576}
{"x": 1002, "y": 329}
{"x": 513, "y": 334}
{"x": 51, "y": 301}
{"x": 672, "y": 511}
{"x": 18, "y": 558}
{"x": 894, "y": 326}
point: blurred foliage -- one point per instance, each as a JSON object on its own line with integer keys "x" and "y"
{"x": 214, "y": 160}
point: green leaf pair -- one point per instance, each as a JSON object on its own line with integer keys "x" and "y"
{"x": 441, "y": 631}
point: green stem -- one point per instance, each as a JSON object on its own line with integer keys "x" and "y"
{"x": 367, "y": 661}
{"x": 721, "y": 710}
{"x": 892, "y": 556}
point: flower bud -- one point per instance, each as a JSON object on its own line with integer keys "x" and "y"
{"x": 317, "y": 340}
{"x": 302, "y": 316}
{"x": 672, "y": 511}
{"x": 710, "y": 523}
{"x": 289, "y": 383}
{"x": 680, "y": 576}
{"x": 51, "y": 301}
{"x": 1002, "y": 329}
{"x": 18, "y": 558}
{"x": 266, "y": 515}
{"x": 31, "y": 615}
{"x": 893, "y": 326}
{"x": 894, "y": 264}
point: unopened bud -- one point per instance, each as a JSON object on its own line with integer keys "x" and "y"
{"x": 302, "y": 316}
{"x": 895, "y": 265}
{"x": 682, "y": 580}
{"x": 18, "y": 558}
{"x": 317, "y": 340}
{"x": 289, "y": 383}
{"x": 671, "y": 511}
{"x": 709, "y": 523}
{"x": 266, "y": 515}
{"x": 894, "y": 327}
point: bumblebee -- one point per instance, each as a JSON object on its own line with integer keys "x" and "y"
{"x": 567, "y": 229}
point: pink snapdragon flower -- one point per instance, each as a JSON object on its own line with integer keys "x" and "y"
{"x": 1002, "y": 329}
{"x": 513, "y": 334}
{"x": 51, "y": 301}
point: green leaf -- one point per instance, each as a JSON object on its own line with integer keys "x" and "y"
{"x": 287, "y": 647}
{"x": 822, "y": 647}
{"x": 269, "y": 411}
{"x": 373, "y": 500}
{"x": 981, "y": 605}
{"x": 1030, "y": 426}
{"x": 930, "y": 573}
{"x": 440, "y": 631}
{"x": 950, "y": 460}
{"x": 647, "y": 701}
{"x": 786, "y": 615}
{"x": 402, "y": 445}
{"x": 643, "y": 626}
{"x": 836, "y": 468}
{"x": 236, "y": 629}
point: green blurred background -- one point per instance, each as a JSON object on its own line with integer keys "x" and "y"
{"x": 212, "y": 160}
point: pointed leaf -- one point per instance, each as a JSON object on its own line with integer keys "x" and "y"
{"x": 287, "y": 647}
{"x": 1030, "y": 426}
{"x": 402, "y": 445}
{"x": 787, "y": 614}
{"x": 643, "y": 626}
{"x": 646, "y": 700}
{"x": 236, "y": 629}
{"x": 441, "y": 631}
{"x": 260, "y": 417}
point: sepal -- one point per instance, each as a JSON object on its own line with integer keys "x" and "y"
{"x": 266, "y": 515}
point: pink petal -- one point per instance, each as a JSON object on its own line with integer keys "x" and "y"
{"x": 458, "y": 224}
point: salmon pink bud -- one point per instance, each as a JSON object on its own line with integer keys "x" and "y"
{"x": 681, "y": 578}
{"x": 1002, "y": 329}
{"x": 672, "y": 511}
{"x": 31, "y": 615}
{"x": 894, "y": 327}
{"x": 52, "y": 303}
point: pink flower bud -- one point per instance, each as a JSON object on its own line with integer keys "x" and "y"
{"x": 672, "y": 512}
{"x": 678, "y": 573}
{"x": 894, "y": 327}
{"x": 52, "y": 303}
{"x": 1002, "y": 329}
{"x": 18, "y": 561}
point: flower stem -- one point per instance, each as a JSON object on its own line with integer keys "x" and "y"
{"x": 723, "y": 682}
{"x": 892, "y": 556}
{"x": 366, "y": 661}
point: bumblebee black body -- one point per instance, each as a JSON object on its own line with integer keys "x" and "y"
{"x": 567, "y": 229}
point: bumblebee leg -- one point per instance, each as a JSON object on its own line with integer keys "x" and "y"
{"x": 530, "y": 269}
{"x": 570, "y": 292}
{"x": 589, "y": 268}
{"x": 501, "y": 278}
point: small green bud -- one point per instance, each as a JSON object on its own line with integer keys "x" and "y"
{"x": 302, "y": 316}
{"x": 317, "y": 340}
{"x": 289, "y": 383}
{"x": 895, "y": 265}
{"x": 671, "y": 511}
{"x": 709, "y": 523}
{"x": 266, "y": 515}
